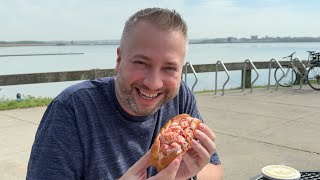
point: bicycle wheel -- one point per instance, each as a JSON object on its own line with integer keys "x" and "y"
{"x": 314, "y": 77}
{"x": 289, "y": 78}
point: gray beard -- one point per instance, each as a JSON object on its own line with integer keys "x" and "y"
{"x": 128, "y": 101}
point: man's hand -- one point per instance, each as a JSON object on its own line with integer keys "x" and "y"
{"x": 199, "y": 154}
{"x": 138, "y": 170}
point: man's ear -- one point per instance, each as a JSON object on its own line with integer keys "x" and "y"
{"x": 118, "y": 59}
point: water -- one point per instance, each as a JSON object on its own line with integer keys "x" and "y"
{"x": 105, "y": 57}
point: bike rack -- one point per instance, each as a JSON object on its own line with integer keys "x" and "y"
{"x": 270, "y": 73}
{"x": 225, "y": 70}
{"x": 305, "y": 70}
{"x": 244, "y": 74}
{"x": 194, "y": 73}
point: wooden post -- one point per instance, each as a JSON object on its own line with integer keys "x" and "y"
{"x": 301, "y": 70}
{"x": 247, "y": 80}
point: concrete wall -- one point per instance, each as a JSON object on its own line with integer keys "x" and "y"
{"x": 33, "y": 78}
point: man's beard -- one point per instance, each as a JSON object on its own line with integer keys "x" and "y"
{"x": 127, "y": 99}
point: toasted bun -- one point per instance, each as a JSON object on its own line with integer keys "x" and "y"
{"x": 155, "y": 160}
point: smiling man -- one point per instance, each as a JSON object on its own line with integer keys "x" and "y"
{"x": 103, "y": 129}
{"x": 149, "y": 66}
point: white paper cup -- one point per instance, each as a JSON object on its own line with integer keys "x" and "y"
{"x": 280, "y": 172}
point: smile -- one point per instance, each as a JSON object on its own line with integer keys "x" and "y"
{"x": 147, "y": 95}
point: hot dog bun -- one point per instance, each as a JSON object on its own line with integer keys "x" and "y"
{"x": 173, "y": 140}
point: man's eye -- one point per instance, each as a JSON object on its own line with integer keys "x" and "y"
{"x": 139, "y": 62}
{"x": 171, "y": 68}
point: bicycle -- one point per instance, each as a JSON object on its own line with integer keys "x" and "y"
{"x": 313, "y": 76}
{"x": 291, "y": 71}
{"x": 290, "y": 75}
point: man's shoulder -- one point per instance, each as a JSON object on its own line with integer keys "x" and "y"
{"x": 88, "y": 86}
{"x": 184, "y": 90}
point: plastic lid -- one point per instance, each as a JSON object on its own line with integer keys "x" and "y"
{"x": 280, "y": 172}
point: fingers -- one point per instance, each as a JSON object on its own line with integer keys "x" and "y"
{"x": 205, "y": 147}
{"x": 138, "y": 170}
{"x": 143, "y": 163}
{"x": 205, "y": 129}
{"x": 170, "y": 171}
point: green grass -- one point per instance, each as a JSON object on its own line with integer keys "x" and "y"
{"x": 6, "y": 104}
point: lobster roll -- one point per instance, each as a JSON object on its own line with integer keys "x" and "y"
{"x": 173, "y": 140}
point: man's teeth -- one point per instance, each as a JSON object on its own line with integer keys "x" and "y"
{"x": 149, "y": 95}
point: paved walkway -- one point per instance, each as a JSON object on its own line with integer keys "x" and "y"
{"x": 253, "y": 130}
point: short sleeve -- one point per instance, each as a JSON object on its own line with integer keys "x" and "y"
{"x": 215, "y": 159}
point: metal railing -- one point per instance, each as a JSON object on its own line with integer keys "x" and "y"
{"x": 50, "y": 77}
{"x": 63, "y": 76}
{"x": 244, "y": 74}
{"x": 194, "y": 73}
{"x": 283, "y": 74}
{"x": 216, "y": 78}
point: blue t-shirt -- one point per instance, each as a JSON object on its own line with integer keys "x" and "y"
{"x": 85, "y": 133}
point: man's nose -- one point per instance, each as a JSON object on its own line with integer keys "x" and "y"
{"x": 153, "y": 80}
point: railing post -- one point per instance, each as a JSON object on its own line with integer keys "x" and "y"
{"x": 299, "y": 76}
{"x": 246, "y": 75}
{"x": 269, "y": 77}
{"x": 194, "y": 73}
{"x": 301, "y": 71}
{"x": 247, "y": 82}
{"x": 228, "y": 76}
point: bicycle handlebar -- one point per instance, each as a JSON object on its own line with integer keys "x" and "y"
{"x": 290, "y": 56}
{"x": 313, "y": 55}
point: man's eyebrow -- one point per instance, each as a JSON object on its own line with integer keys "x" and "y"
{"x": 171, "y": 63}
{"x": 142, "y": 57}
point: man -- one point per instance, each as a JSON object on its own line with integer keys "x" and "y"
{"x": 103, "y": 129}
{"x": 18, "y": 96}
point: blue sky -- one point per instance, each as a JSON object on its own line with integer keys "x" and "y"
{"x": 104, "y": 19}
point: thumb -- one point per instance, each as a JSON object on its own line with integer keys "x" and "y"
{"x": 138, "y": 170}
{"x": 142, "y": 164}
{"x": 170, "y": 171}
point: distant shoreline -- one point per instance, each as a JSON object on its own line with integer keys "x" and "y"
{"x": 106, "y": 44}
{"x": 254, "y": 42}
{"x": 227, "y": 40}
{"x": 22, "y": 45}
{"x": 17, "y": 45}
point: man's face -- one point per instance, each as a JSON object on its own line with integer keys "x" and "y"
{"x": 149, "y": 69}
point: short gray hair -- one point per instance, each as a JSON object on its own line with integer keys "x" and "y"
{"x": 165, "y": 19}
